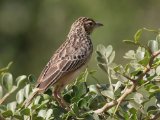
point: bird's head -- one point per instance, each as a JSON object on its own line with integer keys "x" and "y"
{"x": 85, "y": 24}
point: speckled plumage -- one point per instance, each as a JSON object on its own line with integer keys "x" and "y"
{"x": 67, "y": 61}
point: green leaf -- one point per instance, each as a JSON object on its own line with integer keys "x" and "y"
{"x": 153, "y": 45}
{"x": 101, "y": 48}
{"x": 151, "y": 30}
{"x": 99, "y": 54}
{"x": 57, "y": 112}
{"x": 25, "y": 111}
{"x": 6, "y": 68}
{"x": 21, "y": 80}
{"x": 7, "y": 113}
{"x": 93, "y": 89}
{"x": 137, "y": 36}
{"x": 133, "y": 104}
{"x": 133, "y": 114}
{"x": 39, "y": 118}
{"x": 102, "y": 67}
{"x": 151, "y": 108}
{"x": 146, "y": 59}
{"x": 20, "y": 96}
{"x": 82, "y": 77}
{"x": 49, "y": 114}
{"x": 95, "y": 116}
{"x": 158, "y": 70}
{"x": 140, "y": 55}
{"x": 138, "y": 98}
{"x": 37, "y": 99}
{"x": 42, "y": 113}
{"x": 101, "y": 59}
{"x": 7, "y": 80}
{"x": 118, "y": 84}
{"x": 111, "y": 58}
{"x": 130, "y": 54}
{"x": 129, "y": 42}
{"x": 1, "y": 92}
{"x": 158, "y": 38}
{"x": 108, "y": 51}
{"x": 12, "y": 106}
{"x": 27, "y": 90}
{"x": 108, "y": 93}
{"x": 75, "y": 109}
{"x": 31, "y": 78}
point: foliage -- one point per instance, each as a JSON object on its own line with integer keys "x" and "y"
{"x": 132, "y": 91}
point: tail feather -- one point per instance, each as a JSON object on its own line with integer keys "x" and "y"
{"x": 28, "y": 101}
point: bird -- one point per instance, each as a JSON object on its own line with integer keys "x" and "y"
{"x": 68, "y": 61}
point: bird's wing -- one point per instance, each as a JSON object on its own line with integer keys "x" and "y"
{"x": 55, "y": 70}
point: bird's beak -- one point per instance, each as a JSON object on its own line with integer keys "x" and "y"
{"x": 98, "y": 24}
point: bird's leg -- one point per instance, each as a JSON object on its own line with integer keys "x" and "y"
{"x": 59, "y": 99}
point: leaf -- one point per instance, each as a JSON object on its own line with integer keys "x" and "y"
{"x": 57, "y": 112}
{"x": 140, "y": 55}
{"x": 146, "y": 59}
{"x": 158, "y": 38}
{"x": 95, "y": 116}
{"x": 133, "y": 104}
{"x": 7, "y": 80}
{"x": 158, "y": 103}
{"x": 99, "y": 54}
{"x": 101, "y": 59}
{"x": 6, "y": 68}
{"x": 151, "y": 108}
{"x": 102, "y": 67}
{"x": 158, "y": 70}
{"x": 39, "y": 118}
{"x": 129, "y": 42}
{"x": 108, "y": 51}
{"x": 42, "y": 113}
{"x": 82, "y": 77}
{"x": 138, "y": 98}
{"x": 37, "y": 99}
{"x": 49, "y": 113}
{"x": 151, "y": 30}
{"x": 108, "y": 93}
{"x": 130, "y": 54}
{"x": 111, "y": 58}
{"x": 21, "y": 80}
{"x": 20, "y": 96}
{"x": 93, "y": 89}
{"x": 118, "y": 84}
{"x": 137, "y": 36}
{"x": 12, "y": 106}
{"x": 153, "y": 45}
{"x": 31, "y": 78}
{"x": 25, "y": 111}
{"x": 133, "y": 114}
{"x": 7, "y": 113}
{"x": 1, "y": 92}
{"x": 27, "y": 90}
{"x": 75, "y": 109}
{"x": 101, "y": 49}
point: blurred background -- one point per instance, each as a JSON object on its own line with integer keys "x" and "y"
{"x": 31, "y": 30}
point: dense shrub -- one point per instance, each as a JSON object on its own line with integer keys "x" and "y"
{"x": 133, "y": 90}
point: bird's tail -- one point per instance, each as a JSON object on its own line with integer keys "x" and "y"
{"x": 28, "y": 101}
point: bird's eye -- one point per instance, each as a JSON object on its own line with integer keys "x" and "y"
{"x": 90, "y": 23}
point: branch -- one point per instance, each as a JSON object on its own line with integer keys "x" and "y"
{"x": 156, "y": 117}
{"x": 129, "y": 90}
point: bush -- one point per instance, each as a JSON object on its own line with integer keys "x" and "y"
{"x": 133, "y": 90}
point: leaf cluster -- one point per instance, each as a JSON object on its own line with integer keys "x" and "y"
{"x": 132, "y": 91}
